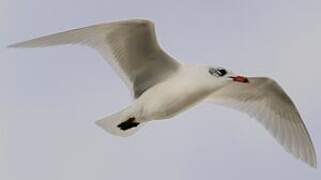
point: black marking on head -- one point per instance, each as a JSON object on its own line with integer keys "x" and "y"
{"x": 211, "y": 71}
{"x": 219, "y": 72}
{"x": 130, "y": 123}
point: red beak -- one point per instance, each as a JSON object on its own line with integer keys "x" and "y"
{"x": 241, "y": 79}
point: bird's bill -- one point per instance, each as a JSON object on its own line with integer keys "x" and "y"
{"x": 241, "y": 79}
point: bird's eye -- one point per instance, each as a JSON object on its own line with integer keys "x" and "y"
{"x": 217, "y": 72}
{"x": 221, "y": 72}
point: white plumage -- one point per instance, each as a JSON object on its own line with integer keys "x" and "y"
{"x": 163, "y": 87}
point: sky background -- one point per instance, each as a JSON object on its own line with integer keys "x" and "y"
{"x": 51, "y": 97}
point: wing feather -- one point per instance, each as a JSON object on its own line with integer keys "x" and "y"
{"x": 266, "y": 101}
{"x": 130, "y": 46}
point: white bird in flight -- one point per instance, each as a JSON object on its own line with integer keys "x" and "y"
{"x": 162, "y": 87}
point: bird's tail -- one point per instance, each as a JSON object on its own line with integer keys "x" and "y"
{"x": 120, "y": 124}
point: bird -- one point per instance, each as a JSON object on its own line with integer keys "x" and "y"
{"x": 162, "y": 86}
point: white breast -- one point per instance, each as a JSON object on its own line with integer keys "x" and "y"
{"x": 170, "y": 97}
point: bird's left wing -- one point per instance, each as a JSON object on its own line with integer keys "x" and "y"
{"x": 130, "y": 46}
{"x": 263, "y": 99}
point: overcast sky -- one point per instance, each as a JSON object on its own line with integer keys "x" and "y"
{"x": 51, "y": 97}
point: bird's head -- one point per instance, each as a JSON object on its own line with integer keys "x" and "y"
{"x": 224, "y": 74}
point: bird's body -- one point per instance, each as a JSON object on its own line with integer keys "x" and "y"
{"x": 163, "y": 87}
{"x": 188, "y": 86}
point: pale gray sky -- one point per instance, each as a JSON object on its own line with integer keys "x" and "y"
{"x": 51, "y": 97}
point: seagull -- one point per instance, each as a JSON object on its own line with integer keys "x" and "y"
{"x": 163, "y": 87}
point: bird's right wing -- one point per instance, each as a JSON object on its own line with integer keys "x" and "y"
{"x": 129, "y": 46}
{"x": 265, "y": 100}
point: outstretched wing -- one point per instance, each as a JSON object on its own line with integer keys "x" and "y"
{"x": 129, "y": 46}
{"x": 265, "y": 100}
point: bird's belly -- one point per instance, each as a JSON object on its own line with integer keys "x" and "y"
{"x": 164, "y": 102}
{"x": 168, "y": 109}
